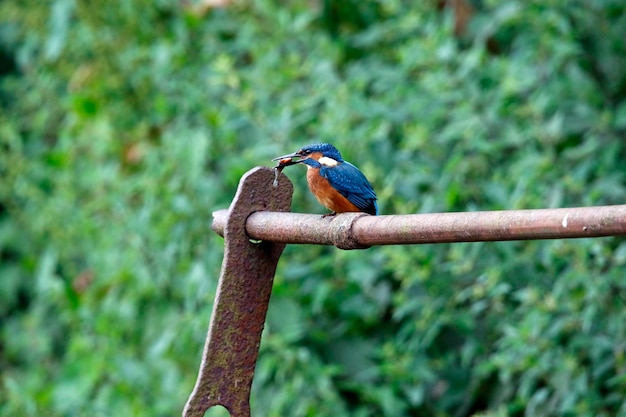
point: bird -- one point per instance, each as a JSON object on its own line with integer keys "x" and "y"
{"x": 336, "y": 183}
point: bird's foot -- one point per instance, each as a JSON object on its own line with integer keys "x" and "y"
{"x": 331, "y": 214}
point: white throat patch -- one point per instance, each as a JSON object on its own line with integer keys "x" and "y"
{"x": 329, "y": 162}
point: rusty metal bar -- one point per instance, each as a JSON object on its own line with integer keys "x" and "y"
{"x": 243, "y": 294}
{"x": 358, "y": 230}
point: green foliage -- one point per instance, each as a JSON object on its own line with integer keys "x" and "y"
{"x": 124, "y": 124}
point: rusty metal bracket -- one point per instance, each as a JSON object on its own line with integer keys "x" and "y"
{"x": 243, "y": 293}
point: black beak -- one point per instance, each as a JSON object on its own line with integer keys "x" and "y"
{"x": 288, "y": 156}
{"x": 286, "y": 160}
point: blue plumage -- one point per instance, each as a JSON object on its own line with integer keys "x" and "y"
{"x": 352, "y": 184}
{"x": 326, "y": 149}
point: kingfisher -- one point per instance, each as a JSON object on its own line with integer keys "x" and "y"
{"x": 336, "y": 184}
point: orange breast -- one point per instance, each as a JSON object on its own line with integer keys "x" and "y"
{"x": 327, "y": 195}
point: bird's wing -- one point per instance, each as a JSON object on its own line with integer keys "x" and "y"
{"x": 352, "y": 184}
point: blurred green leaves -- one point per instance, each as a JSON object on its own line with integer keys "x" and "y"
{"x": 124, "y": 124}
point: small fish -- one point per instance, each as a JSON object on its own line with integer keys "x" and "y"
{"x": 285, "y": 162}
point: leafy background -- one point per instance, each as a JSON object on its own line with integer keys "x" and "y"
{"x": 124, "y": 124}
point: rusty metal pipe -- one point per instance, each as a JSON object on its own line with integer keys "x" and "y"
{"x": 358, "y": 230}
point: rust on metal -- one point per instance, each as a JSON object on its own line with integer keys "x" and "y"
{"x": 260, "y": 211}
{"x": 358, "y": 230}
{"x": 243, "y": 293}
{"x": 300, "y": 228}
